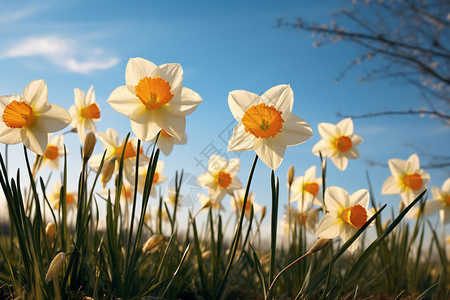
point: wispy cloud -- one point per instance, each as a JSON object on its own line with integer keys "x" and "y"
{"x": 18, "y": 15}
{"x": 63, "y": 52}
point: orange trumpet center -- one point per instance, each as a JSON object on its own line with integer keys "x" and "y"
{"x": 343, "y": 143}
{"x": 91, "y": 112}
{"x": 51, "y": 152}
{"x": 18, "y": 114}
{"x": 312, "y": 188}
{"x": 355, "y": 216}
{"x": 155, "y": 177}
{"x": 413, "y": 181}
{"x": 447, "y": 200}
{"x": 223, "y": 179}
{"x": 129, "y": 151}
{"x": 153, "y": 92}
{"x": 262, "y": 121}
{"x": 164, "y": 133}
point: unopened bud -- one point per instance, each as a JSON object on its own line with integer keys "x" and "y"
{"x": 206, "y": 254}
{"x": 89, "y": 145}
{"x": 55, "y": 266}
{"x": 290, "y": 175}
{"x": 319, "y": 245}
{"x": 50, "y": 232}
{"x": 108, "y": 171}
{"x": 263, "y": 212}
{"x": 153, "y": 243}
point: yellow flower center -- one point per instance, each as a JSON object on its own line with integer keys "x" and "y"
{"x": 223, "y": 179}
{"x": 153, "y": 92}
{"x": 413, "y": 181}
{"x": 91, "y": 112}
{"x": 18, "y": 114}
{"x": 156, "y": 177}
{"x": 129, "y": 151}
{"x": 343, "y": 143}
{"x": 51, "y": 152}
{"x": 447, "y": 199}
{"x": 262, "y": 121}
{"x": 311, "y": 187}
{"x": 355, "y": 216}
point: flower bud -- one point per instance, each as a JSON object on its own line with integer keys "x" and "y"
{"x": 55, "y": 267}
{"x": 290, "y": 175}
{"x": 89, "y": 145}
{"x": 206, "y": 254}
{"x": 263, "y": 212}
{"x": 153, "y": 243}
{"x": 108, "y": 171}
{"x": 50, "y": 232}
{"x": 319, "y": 245}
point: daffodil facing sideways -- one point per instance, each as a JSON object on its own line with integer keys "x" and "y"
{"x": 221, "y": 177}
{"x": 308, "y": 218}
{"x": 166, "y": 142}
{"x": 114, "y": 151}
{"x": 28, "y": 118}
{"x": 266, "y": 124}
{"x": 338, "y": 143}
{"x": 237, "y": 201}
{"x": 53, "y": 153}
{"x": 441, "y": 201}
{"x": 306, "y": 190}
{"x": 85, "y": 112}
{"x": 54, "y": 197}
{"x": 345, "y": 214}
{"x": 154, "y": 99}
{"x": 407, "y": 179}
{"x": 158, "y": 178}
{"x": 207, "y": 202}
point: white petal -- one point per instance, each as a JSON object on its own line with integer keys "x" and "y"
{"x": 206, "y": 180}
{"x": 270, "y": 152}
{"x": 173, "y": 73}
{"x": 241, "y": 140}
{"x": 446, "y": 186}
{"x": 6, "y": 100}
{"x": 356, "y": 139}
{"x": 90, "y": 96}
{"x": 35, "y": 139}
{"x": 346, "y": 126}
{"x": 390, "y": 186}
{"x": 336, "y": 198}
{"x": 55, "y": 119}
{"x": 295, "y": 130}
{"x": 330, "y": 226}
{"x": 138, "y": 68}
{"x": 360, "y": 197}
{"x": 8, "y": 135}
{"x": 352, "y": 153}
{"x": 310, "y": 174}
{"x": 239, "y": 101}
{"x": 235, "y": 184}
{"x": 36, "y": 94}
{"x": 79, "y": 98}
{"x": 144, "y": 131}
{"x": 281, "y": 97}
{"x": 347, "y": 234}
{"x": 165, "y": 145}
{"x": 233, "y": 166}
{"x": 216, "y": 163}
{"x": 327, "y": 131}
{"x": 397, "y": 166}
{"x": 124, "y": 102}
{"x": 340, "y": 161}
{"x": 175, "y": 126}
{"x": 445, "y": 215}
{"x": 414, "y": 163}
{"x": 323, "y": 146}
{"x": 185, "y": 104}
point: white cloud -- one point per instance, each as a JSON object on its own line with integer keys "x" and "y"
{"x": 18, "y": 15}
{"x": 66, "y": 53}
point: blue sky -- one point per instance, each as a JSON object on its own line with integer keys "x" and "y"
{"x": 222, "y": 46}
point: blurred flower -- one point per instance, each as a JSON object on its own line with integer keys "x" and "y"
{"x": 153, "y": 243}
{"x": 50, "y": 232}
{"x": 308, "y": 218}
{"x": 345, "y": 215}
{"x": 114, "y": 150}
{"x": 28, "y": 118}
{"x": 237, "y": 201}
{"x": 166, "y": 141}
{"x": 305, "y": 189}
{"x": 53, "y": 153}
{"x": 338, "y": 143}
{"x": 441, "y": 201}
{"x": 158, "y": 178}
{"x": 221, "y": 177}
{"x": 154, "y": 99}
{"x": 266, "y": 124}
{"x": 84, "y": 112}
{"x": 171, "y": 197}
{"x": 407, "y": 179}
{"x": 55, "y": 266}
{"x": 206, "y": 202}
{"x": 54, "y": 197}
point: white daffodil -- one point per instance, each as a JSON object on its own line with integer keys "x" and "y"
{"x": 407, "y": 179}
{"x": 308, "y": 218}
{"x": 441, "y": 201}
{"x": 154, "y": 99}
{"x": 158, "y": 178}
{"x": 266, "y": 124}
{"x": 346, "y": 214}
{"x": 166, "y": 141}
{"x": 28, "y": 118}
{"x": 54, "y": 197}
{"x": 338, "y": 143}
{"x": 85, "y": 112}
{"x": 53, "y": 153}
{"x": 305, "y": 189}
{"x": 237, "y": 201}
{"x": 220, "y": 178}
{"x": 114, "y": 150}
{"x": 206, "y": 202}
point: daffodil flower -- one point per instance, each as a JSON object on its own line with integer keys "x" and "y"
{"x": 346, "y": 214}
{"x": 158, "y": 178}
{"x": 338, "y": 143}
{"x": 166, "y": 142}
{"x": 266, "y": 124}
{"x": 85, "y": 112}
{"x": 114, "y": 150}
{"x": 237, "y": 201}
{"x": 53, "y": 153}
{"x": 221, "y": 177}
{"x": 28, "y": 118}
{"x": 154, "y": 99}
{"x": 407, "y": 179}
{"x": 441, "y": 201}
{"x": 305, "y": 189}
{"x": 54, "y": 197}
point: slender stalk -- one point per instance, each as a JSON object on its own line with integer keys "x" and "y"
{"x": 273, "y": 235}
